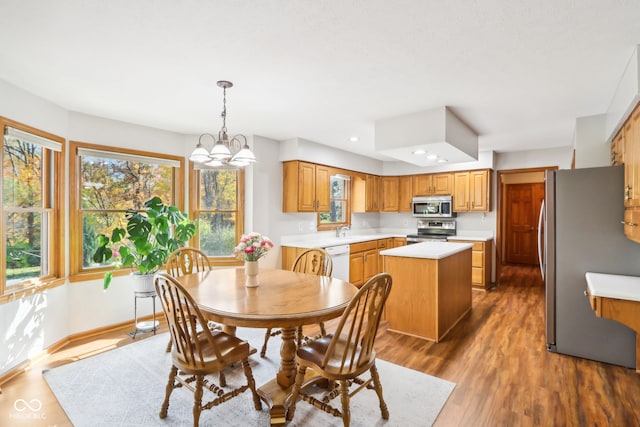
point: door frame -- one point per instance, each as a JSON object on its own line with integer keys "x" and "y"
{"x": 502, "y": 211}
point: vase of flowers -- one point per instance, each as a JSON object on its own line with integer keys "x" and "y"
{"x": 251, "y": 248}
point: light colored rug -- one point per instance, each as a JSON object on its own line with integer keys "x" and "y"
{"x": 125, "y": 387}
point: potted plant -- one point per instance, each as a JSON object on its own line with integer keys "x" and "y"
{"x": 148, "y": 240}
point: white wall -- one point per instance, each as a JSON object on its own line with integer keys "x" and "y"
{"x": 592, "y": 149}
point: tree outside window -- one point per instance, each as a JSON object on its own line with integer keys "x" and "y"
{"x": 339, "y": 203}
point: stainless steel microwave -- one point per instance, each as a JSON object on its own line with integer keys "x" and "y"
{"x": 432, "y": 207}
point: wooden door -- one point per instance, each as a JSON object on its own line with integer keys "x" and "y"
{"x": 389, "y": 193}
{"x": 421, "y": 185}
{"x": 322, "y": 188}
{"x": 306, "y": 187}
{"x": 405, "y": 193}
{"x": 479, "y": 191}
{"x": 523, "y": 207}
{"x": 442, "y": 184}
{"x": 461, "y": 192}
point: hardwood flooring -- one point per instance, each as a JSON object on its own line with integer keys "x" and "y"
{"x": 496, "y": 356}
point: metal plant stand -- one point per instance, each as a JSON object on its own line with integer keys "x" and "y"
{"x": 146, "y": 326}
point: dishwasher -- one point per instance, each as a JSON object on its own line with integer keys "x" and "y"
{"x": 340, "y": 258}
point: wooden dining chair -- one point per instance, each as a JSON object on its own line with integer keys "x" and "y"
{"x": 342, "y": 357}
{"x": 198, "y": 352}
{"x": 311, "y": 261}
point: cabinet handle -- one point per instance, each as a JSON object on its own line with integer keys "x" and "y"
{"x": 627, "y": 192}
{"x": 630, "y": 224}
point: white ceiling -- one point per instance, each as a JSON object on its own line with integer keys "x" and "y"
{"x": 518, "y": 72}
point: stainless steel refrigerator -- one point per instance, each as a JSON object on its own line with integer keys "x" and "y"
{"x": 580, "y": 231}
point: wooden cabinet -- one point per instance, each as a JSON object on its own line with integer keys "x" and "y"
{"x": 305, "y": 187}
{"x": 471, "y": 191}
{"x": 399, "y": 241}
{"x": 631, "y": 136}
{"x": 289, "y": 255}
{"x": 383, "y": 244}
{"x": 617, "y": 149}
{"x": 438, "y": 184}
{"x": 481, "y": 256}
{"x": 366, "y": 193}
{"x": 405, "y": 193}
{"x": 390, "y": 193}
{"x": 363, "y": 261}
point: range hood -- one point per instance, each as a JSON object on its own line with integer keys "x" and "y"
{"x": 428, "y": 138}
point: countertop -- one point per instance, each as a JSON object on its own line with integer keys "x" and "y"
{"x": 613, "y": 286}
{"x": 325, "y": 240}
{"x": 427, "y": 250}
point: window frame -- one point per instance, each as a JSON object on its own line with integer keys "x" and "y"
{"x": 349, "y": 188}
{"x": 77, "y": 271}
{"x": 194, "y": 212}
{"x": 53, "y": 202}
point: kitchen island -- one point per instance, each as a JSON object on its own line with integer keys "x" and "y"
{"x": 431, "y": 289}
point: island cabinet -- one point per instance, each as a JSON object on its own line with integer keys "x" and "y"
{"x": 471, "y": 191}
{"x": 429, "y": 294}
{"x": 305, "y": 187}
{"x": 481, "y": 256}
{"x": 435, "y": 184}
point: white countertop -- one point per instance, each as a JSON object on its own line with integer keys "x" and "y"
{"x": 324, "y": 240}
{"x": 478, "y": 236}
{"x": 614, "y": 286}
{"x": 427, "y": 250}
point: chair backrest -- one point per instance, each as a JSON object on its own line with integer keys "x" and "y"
{"x": 187, "y": 326}
{"x": 353, "y": 339}
{"x": 186, "y": 261}
{"x": 313, "y": 261}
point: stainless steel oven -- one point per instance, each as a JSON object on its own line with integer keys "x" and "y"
{"x": 433, "y": 230}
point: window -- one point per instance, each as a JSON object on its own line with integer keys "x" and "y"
{"x": 217, "y": 202}
{"x": 32, "y": 226}
{"x": 339, "y": 203}
{"x": 108, "y": 181}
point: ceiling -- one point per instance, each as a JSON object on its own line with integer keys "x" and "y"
{"x": 518, "y": 72}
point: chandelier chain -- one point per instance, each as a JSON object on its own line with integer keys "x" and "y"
{"x": 224, "y": 110}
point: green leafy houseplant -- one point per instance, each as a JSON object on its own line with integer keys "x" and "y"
{"x": 148, "y": 240}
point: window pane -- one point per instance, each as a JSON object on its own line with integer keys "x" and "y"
{"x": 94, "y": 224}
{"x": 338, "y": 188}
{"x": 121, "y": 184}
{"x": 338, "y": 212}
{"x": 218, "y": 189}
{"x": 22, "y": 173}
{"x": 217, "y": 233}
{"x": 27, "y": 254}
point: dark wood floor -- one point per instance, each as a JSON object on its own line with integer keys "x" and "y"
{"x": 496, "y": 356}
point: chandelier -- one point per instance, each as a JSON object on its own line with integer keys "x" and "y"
{"x": 226, "y": 153}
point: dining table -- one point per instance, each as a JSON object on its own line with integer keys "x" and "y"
{"x": 283, "y": 299}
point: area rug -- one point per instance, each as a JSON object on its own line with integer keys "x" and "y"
{"x": 125, "y": 387}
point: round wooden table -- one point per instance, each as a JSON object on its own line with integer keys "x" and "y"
{"x": 283, "y": 299}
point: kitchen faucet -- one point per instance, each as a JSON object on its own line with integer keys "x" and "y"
{"x": 341, "y": 231}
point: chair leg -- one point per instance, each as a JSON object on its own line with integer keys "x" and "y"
{"x": 295, "y": 392}
{"x": 252, "y": 384}
{"x": 169, "y": 346}
{"x": 266, "y": 340}
{"x": 165, "y": 405}
{"x": 222, "y": 380}
{"x": 344, "y": 398}
{"x": 197, "y": 400}
{"x": 378, "y": 388}
{"x": 323, "y": 331}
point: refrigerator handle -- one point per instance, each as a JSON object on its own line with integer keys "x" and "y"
{"x": 540, "y": 230}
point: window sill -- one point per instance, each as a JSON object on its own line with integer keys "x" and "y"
{"x": 13, "y": 294}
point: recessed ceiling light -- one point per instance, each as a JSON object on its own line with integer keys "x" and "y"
{"x": 354, "y": 139}
{"x": 432, "y": 156}
{"x": 442, "y": 160}
{"x": 419, "y": 152}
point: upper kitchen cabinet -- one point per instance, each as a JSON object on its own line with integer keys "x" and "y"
{"x": 438, "y": 184}
{"x": 305, "y": 187}
{"x": 389, "y": 194}
{"x": 617, "y": 149}
{"x": 471, "y": 191}
{"x": 366, "y": 193}
{"x": 405, "y": 193}
{"x": 630, "y": 134}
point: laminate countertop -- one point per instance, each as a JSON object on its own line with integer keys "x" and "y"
{"x": 427, "y": 250}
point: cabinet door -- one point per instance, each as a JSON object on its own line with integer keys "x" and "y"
{"x": 479, "y": 191}
{"x": 442, "y": 184}
{"x": 405, "y": 193}
{"x": 322, "y": 188}
{"x": 389, "y": 193}
{"x": 617, "y": 149}
{"x": 461, "y": 192}
{"x": 356, "y": 268}
{"x": 372, "y": 193}
{"x": 422, "y": 185}
{"x": 306, "y": 187}
{"x": 370, "y": 264}
{"x": 632, "y": 160}
{"x": 399, "y": 241}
